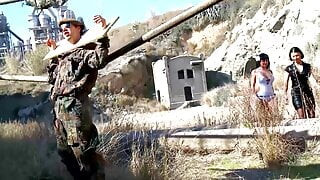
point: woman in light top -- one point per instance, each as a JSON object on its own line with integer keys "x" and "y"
{"x": 262, "y": 82}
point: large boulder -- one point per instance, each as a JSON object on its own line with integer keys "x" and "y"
{"x": 130, "y": 75}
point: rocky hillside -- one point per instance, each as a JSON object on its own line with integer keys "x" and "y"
{"x": 228, "y": 34}
{"x": 124, "y": 34}
{"x": 131, "y": 74}
{"x": 234, "y": 32}
{"x": 273, "y": 29}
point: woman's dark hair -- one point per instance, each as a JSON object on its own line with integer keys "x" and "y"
{"x": 263, "y": 56}
{"x": 295, "y": 49}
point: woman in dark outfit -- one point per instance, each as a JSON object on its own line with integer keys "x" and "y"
{"x": 299, "y": 73}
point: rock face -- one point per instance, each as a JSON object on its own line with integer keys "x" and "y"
{"x": 272, "y": 30}
{"x": 130, "y": 75}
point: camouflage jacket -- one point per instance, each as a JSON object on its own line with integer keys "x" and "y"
{"x": 74, "y": 73}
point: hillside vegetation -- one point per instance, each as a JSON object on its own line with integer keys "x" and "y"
{"x": 228, "y": 34}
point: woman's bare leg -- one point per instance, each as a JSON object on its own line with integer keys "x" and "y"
{"x": 301, "y": 113}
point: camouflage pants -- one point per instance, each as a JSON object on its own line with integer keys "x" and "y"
{"x": 77, "y": 137}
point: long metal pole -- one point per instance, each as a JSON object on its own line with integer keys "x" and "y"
{"x": 163, "y": 28}
{"x": 144, "y": 38}
{"x": 24, "y": 78}
{"x": 3, "y": 2}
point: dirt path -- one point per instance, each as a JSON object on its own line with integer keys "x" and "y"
{"x": 182, "y": 118}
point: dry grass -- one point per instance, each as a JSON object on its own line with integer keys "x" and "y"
{"x": 129, "y": 103}
{"x": 28, "y": 152}
{"x": 12, "y": 65}
{"x": 13, "y": 87}
{"x": 33, "y": 64}
{"x": 151, "y": 163}
{"x": 137, "y": 154}
{"x": 276, "y": 150}
{"x": 316, "y": 88}
{"x": 200, "y": 42}
{"x": 220, "y": 95}
{"x": 114, "y": 127}
{"x": 32, "y": 146}
{"x": 34, "y": 60}
{"x": 279, "y": 79}
{"x": 139, "y": 104}
{"x": 134, "y": 152}
{"x": 18, "y": 131}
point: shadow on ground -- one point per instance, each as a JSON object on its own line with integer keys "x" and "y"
{"x": 216, "y": 79}
{"x": 310, "y": 171}
{"x": 24, "y": 106}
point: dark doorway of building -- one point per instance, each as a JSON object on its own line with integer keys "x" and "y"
{"x": 187, "y": 93}
{"x": 158, "y": 96}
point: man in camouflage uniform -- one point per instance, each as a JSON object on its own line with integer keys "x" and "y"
{"x": 73, "y": 75}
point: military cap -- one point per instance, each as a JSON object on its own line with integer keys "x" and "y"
{"x": 72, "y": 21}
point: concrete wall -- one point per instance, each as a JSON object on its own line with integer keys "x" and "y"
{"x": 172, "y": 91}
{"x": 177, "y": 86}
{"x": 161, "y": 82}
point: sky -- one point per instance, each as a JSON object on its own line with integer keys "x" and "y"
{"x": 129, "y": 11}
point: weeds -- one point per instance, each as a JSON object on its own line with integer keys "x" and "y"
{"x": 275, "y": 149}
{"x": 12, "y": 65}
{"x": 28, "y": 152}
{"x": 34, "y": 60}
{"x": 32, "y": 142}
{"x": 129, "y": 154}
{"x": 219, "y": 96}
{"x": 136, "y": 152}
{"x": 16, "y": 130}
{"x": 33, "y": 64}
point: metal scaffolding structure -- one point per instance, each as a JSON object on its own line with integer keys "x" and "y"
{"x": 42, "y": 25}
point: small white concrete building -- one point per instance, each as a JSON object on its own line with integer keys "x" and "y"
{"x": 178, "y": 80}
